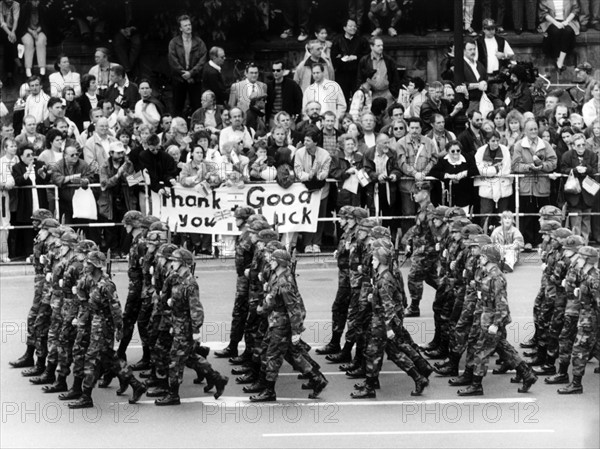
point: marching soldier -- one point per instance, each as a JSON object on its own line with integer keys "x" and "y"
{"x": 39, "y": 248}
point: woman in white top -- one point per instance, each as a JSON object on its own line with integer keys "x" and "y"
{"x": 508, "y": 236}
{"x": 64, "y": 77}
{"x": 591, "y": 109}
{"x": 558, "y": 22}
{"x": 7, "y": 182}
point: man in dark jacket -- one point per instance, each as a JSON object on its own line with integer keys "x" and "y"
{"x": 283, "y": 94}
{"x": 161, "y": 167}
{"x": 346, "y": 51}
{"x": 471, "y": 138}
{"x": 212, "y": 78}
{"x": 186, "y": 66}
{"x": 435, "y": 104}
{"x": 122, "y": 92}
{"x": 385, "y": 82}
{"x": 518, "y": 95}
{"x": 475, "y": 75}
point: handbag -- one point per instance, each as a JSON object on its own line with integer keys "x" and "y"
{"x": 590, "y": 185}
{"x": 572, "y": 185}
{"x": 84, "y": 204}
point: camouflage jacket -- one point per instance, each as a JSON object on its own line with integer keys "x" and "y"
{"x": 554, "y": 255}
{"x": 39, "y": 249}
{"x": 343, "y": 250}
{"x": 256, "y": 267}
{"x": 244, "y": 251}
{"x": 59, "y": 271}
{"x": 387, "y": 302}
{"x": 186, "y": 306}
{"x": 494, "y": 299}
{"x": 355, "y": 257}
{"x": 559, "y": 273}
{"x": 148, "y": 262}
{"x": 285, "y": 305}
{"x": 573, "y": 280}
{"x": 104, "y": 302}
{"x": 589, "y": 297}
{"x": 85, "y": 285}
{"x": 134, "y": 269}
{"x": 422, "y": 241}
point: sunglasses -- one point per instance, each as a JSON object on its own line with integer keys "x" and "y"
{"x": 399, "y": 128}
{"x": 454, "y": 151}
{"x": 277, "y": 70}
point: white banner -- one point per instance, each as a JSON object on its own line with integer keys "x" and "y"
{"x": 199, "y": 212}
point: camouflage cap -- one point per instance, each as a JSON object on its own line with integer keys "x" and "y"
{"x": 379, "y": 232}
{"x": 358, "y": 213}
{"x": 454, "y": 212}
{"x": 492, "y": 252}
{"x": 96, "y": 258}
{"x": 590, "y": 252}
{"x": 255, "y": 217}
{"x": 69, "y": 238}
{"x": 49, "y": 223}
{"x": 133, "y": 218}
{"x": 458, "y": 223}
{"x": 274, "y": 245}
{"x": 551, "y": 213}
{"x": 159, "y": 226}
{"x": 165, "y": 250}
{"x": 182, "y": 255}
{"x": 549, "y": 226}
{"x": 282, "y": 257}
{"x": 156, "y": 238}
{"x": 470, "y": 229}
{"x": 41, "y": 214}
{"x": 266, "y": 235}
{"x": 481, "y": 239}
{"x": 243, "y": 212}
{"x": 147, "y": 221}
{"x": 574, "y": 242}
{"x": 440, "y": 212}
{"x": 366, "y": 224}
{"x": 258, "y": 225}
{"x": 346, "y": 211}
{"x": 382, "y": 243}
{"x": 60, "y": 230}
{"x": 562, "y": 233}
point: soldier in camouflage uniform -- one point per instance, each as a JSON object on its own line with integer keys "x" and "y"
{"x": 571, "y": 282}
{"x": 106, "y": 320}
{"x": 133, "y": 226}
{"x": 339, "y": 309}
{"x": 495, "y": 316}
{"x": 187, "y": 317}
{"x": 39, "y": 248}
{"x": 586, "y": 341}
{"x": 355, "y": 250}
{"x": 421, "y": 246}
{"x": 385, "y": 326}
{"x": 243, "y": 259}
{"x": 552, "y": 216}
{"x": 286, "y": 324}
{"x": 552, "y": 295}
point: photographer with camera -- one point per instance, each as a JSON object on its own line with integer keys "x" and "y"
{"x": 495, "y": 53}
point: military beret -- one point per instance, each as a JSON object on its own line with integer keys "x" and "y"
{"x": 562, "y": 233}
{"x": 440, "y": 212}
{"x": 589, "y": 252}
{"x": 551, "y": 213}
{"x": 419, "y": 186}
{"x": 549, "y": 227}
{"x": 573, "y": 242}
{"x": 359, "y": 213}
{"x": 459, "y": 223}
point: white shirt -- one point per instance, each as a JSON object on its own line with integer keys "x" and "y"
{"x": 491, "y": 46}
{"x": 328, "y": 94}
{"x": 229, "y": 135}
{"x": 58, "y": 82}
{"x": 37, "y": 105}
{"x": 147, "y": 112}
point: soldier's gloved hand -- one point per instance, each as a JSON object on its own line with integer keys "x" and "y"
{"x": 479, "y": 294}
{"x": 445, "y": 253}
{"x": 43, "y": 259}
{"x": 347, "y": 245}
{"x": 28, "y": 260}
{"x": 247, "y": 272}
{"x": 74, "y": 289}
{"x": 74, "y": 322}
{"x": 259, "y": 309}
{"x": 543, "y": 266}
{"x": 260, "y": 277}
{"x": 61, "y": 283}
{"x": 563, "y": 283}
{"x": 437, "y": 247}
{"x": 453, "y": 265}
{"x": 359, "y": 269}
{"x": 151, "y": 270}
{"x": 170, "y": 302}
{"x": 390, "y": 334}
{"x": 196, "y": 336}
{"x": 48, "y": 277}
{"x": 577, "y": 292}
{"x": 119, "y": 334}
{"x": 493, "y": 329}
{"x": 335, "y": 254}
{"x": 295, "y": 339}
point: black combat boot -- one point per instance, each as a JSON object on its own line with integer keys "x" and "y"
{"x": 172, "y": 398}
{"x": 532, "y": 342}
{"x": 368, "y": 390}
{"x": 466, "y": 378}
{"x": 215, "y": 379}
{"x": 257, "y": 386}
{"x": 75, "y": 391}
{"x": 26, "y": 360}
{"x": 47, "y": 377}
{"x": 318, "y": 385}
{"x": 420, "y": 382}
{"x": 475, "y": 389}
{"x": 531, "y": 353}
{"x": 85, "y": 401}
{"x": 597, "y": 370}
{"x": 574, "y": 387}
{"x": 437, "y": 353}
{"x": 202, "y": 350}
{"x": 123, "y": 385}
{"x": 434, "y": 343}
{"x": 106, "y": 380}
{"x": 451, "y": 369}
{"x": 562, "y": 377}
{"x": 412, "y": 311}
{"x": 540, "y": 357}
{"x": 242, "y": 359}
{"x": 138, "y": 390}
{"x": 424, "y": 368}
{"x": 503, "y": 369}
{"x": 144, "y": 363}
{"x": 442, "y": 363}
{"x": 229, "y": 351}
{"x": 36, "y": 370}
{"x": 358, "y": 373}
{"x": 361, "y": 385}
{"x": 333, "y": 347}
{"x": 241, "y": 370}
{"x": 266, "y": 395}
{"x": 527, "y": 375}
{"x": 248, "y": 378}
{"x": 160, "y": 388}
{"x": 58, "y": 386}
{"x": 345, "y": 356}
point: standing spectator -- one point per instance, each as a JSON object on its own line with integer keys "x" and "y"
{"x": 329, "y": 135}
{"x": 346, "y": 50}
{"x": 468, "y": 8}
{"x": 9, "y": 20}
{"x": 101, "y": 71}
{"x": 382, "y": 13}
{"x": 209, "y": 114}
{"x": 533, "y": 157}
{"x": 582, "y": 162}
{"x": 416, "y": 158}
{"x": 472, "y": 137}
{"x": 27, "y": 172}
{"x": 591, "y": 109}
{"x": 160, "y": 167}
{"x": 500, "y": 11}
{"x": 514, "y": 128}
{"x": 311, "y": 166}
{"x": 187, "y": 56}
{"x": 244, "y": 91}
{"x": 325, "y": 92}
{"x": 589, "y": 16}
{"x": 64, "y": 77}
{"x": 475, "y": 75}
{"x": 385, "y": 81}
{"x": 7, "y": 183}
{"x": 530, "y": 8}
{"x": 116, "y": 197}
{"x": 237, "y": 130}
{"x": 122, "y": 93}
{"x": 346, "y": 163}
{"x": 127, "y": 31}
{"x": 362, "y": 99}
{"x": 89, "y": 96}
{"x": 148, "y": 108}
{"x": 56, "y": 110}
{"x": 435, "y": 104}
{"x": 255, "y": 116}
{"x": 283, "y": 94}
{"x": 439, "y": 135}
{"x": 518, "y": 95}
{"x": 70, "y": 173}
{"x": 97, "y": 147}
{"x": 33, "y": 32}
{"x": 29, "y": 136}
{"x": 36, "y": 103}
{"x": 558, "y": 22}
{"x": 417, "y": 95}
{"x": 494, "y": 52}
{"x": 495, "y": 188}
{"x": 212, "y": 78}
{"x": 296, "y": 12}
{"x": 303, "y": 74}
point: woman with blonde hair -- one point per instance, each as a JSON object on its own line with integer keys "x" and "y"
{"x": 514, "y": 129}
{"x": 510, "y": 239}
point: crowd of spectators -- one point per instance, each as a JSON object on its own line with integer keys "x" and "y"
{"x": 342, "y": 122}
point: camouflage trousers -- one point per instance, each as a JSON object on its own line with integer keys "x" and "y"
{"x": 143, "y": 319}
{"x": 68, "y": 333}
{"x": 259, "y": 350}
{"x": 181, "y": 349}
{"x": 131, "y": 312}
{"x": 280, "y": 347}
{"x": 159, "y": 338}
{"x": 458, "y": 338}
{"x": 379, "y": 344}
{"x": 42, "y": 323}
{"x": 442, "y": 308}
{"x": 556, "y": 322}
{"x": 252, "y": 326}
{"x": 240, "y": 309}
{"x": 56, "y": 321}
{"x": 545, "y": 314}
{"x": 80, "y": 347}
{"x": 359, "y": 315}
{"x": 489, "y": 343}
{"x": 38, "y": 291}
{"x": 472, "y": 337}
{"x": 538, "y": 301}
{"x": 587, "y": 341}
{"x": 422, "y": 269}
{"x": 341, "y": 303}
{"x": 567, "y": 339}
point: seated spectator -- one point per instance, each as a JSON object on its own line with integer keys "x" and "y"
{"x": 97, "y": 147}
{"x": 329, "y": 135}
{"x": 303, "y": 75}
{"x": 263, "y": 167}
{"x": 518, "y": 95}
{"x": 345, "y": 165}
{"x": 510, "y": 240}
{"x": 89, "y": 98}
{"x": 209, "y": 114}
{"x": 237, "y": 130}
{"x": 533, "y": 157}
{"x": 27, "y": 172}
{"x": 9, "y": 20}
{"x": 90, "y": 21}
{"x": 582, "y": 162}
{"x": 591, "y": 109}
{"x": 362, "y": 97}
{"x": 36, "y": 102}
{"x": 435, "y": 104}
{"x": 212, "y": 78}
{"x": 514, "y": 129}
{"x": 116, "y": 196}
{"x": 255, "y": 115}
{"x": 311, "y": 166}
{"x": 495, "y": 188}
{"x": 384, "y": 13}
{"x": 72, "y": 108}
{"x": 30, "y": 136}
{"x": 64, "y": 77}
{"x": 283, "y": 94}
{"x": 148, "y": 108}
{"x": 159, "y": 166}
{"x": 33, "y": 31}
{"x": 456, "y": 171}
{"x": 244, "y": 91}
{"x": 439, "y": 135}
{"x": 296, "y": 15}
{"x": 560, "y": 27}
{"x": 101, "y": 71}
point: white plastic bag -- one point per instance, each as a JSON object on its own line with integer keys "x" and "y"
{"x": 485, "y": 105}
{"x": 84, "y": 204}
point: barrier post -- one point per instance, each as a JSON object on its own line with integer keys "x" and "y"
{"x": 148, "y": 200}
{"x": 517, "y": 201}
{"x": 56, "y": 203}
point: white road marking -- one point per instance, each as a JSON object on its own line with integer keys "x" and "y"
{"x": 408, "y": 432}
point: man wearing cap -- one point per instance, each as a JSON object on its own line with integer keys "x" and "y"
{"x": 586, "y": 80}
{"x": 494, "y": 52}
{"x": 586, "y": 341}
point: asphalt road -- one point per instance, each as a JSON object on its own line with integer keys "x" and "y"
{"x": 439, "y": 418}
